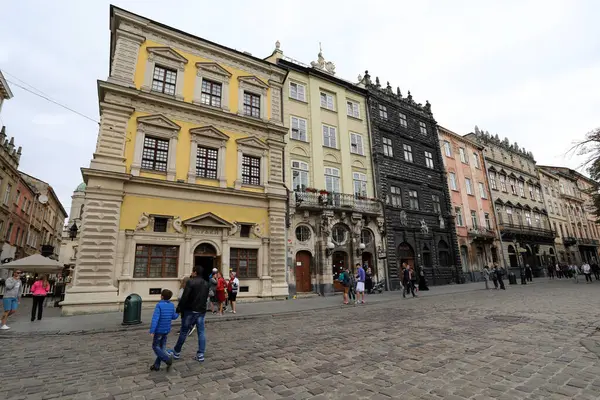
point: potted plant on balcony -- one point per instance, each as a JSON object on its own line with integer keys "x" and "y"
{"x": 323, "y": 192}
{"x": 310, "y": 190}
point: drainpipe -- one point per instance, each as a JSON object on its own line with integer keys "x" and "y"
{"x": 499, "y": 237}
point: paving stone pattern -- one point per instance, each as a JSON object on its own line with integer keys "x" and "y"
{"x": 534, "y": 342}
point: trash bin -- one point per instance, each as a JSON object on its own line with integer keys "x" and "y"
{"x": 132, "y": 311}
{"x": 512, "y": 278}
{"x": 523, "y": 279}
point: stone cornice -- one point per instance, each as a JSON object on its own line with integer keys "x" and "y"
{"x": 511, "y": 169}
{"x": 209, "y": 112}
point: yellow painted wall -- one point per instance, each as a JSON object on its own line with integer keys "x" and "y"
{"x": 133, "y": 206}
{"x": 189, "y": 80}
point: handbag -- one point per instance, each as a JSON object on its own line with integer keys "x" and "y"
{"x": 211, "y": 293}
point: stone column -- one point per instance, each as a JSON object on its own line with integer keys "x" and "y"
{"x": 110, "y": 147}
{"x": 221, "y": 166}
{"x": 225, "y": 253}
{"x": 193, "y": 157}
{"x": 124, "y": 62}
{"x": 238, "y": 180}
{"x": 171, "y": 166}
{"x": 277, "y": 247}
{"x": 128, "y": 251}
{"x": 187, "y": 257}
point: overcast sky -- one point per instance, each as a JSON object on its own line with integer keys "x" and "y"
{"x": 527, "y": 70}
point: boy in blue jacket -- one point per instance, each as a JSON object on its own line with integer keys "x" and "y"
{"x": 160, "y": 327}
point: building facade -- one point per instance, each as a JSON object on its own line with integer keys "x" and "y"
{"x": 525, "y": 229}
{"x": 411, "y": 182}
{"x": 70, "y": 235}
{"x": 22, "y": 218}
{"x": 476, "y": 229}
{"x": 335, "y": 221}
{"x": 558, "y": 217}
{"x": 188, "y": 169}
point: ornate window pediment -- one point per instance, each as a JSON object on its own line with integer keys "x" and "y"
{"x": 251, "y": 142}
{"x": 166, "y": 53}
{"x": 158, "y": 122}
{"x": 253, "y": 81}
{"x": 211, "y": 133}
{"x": 208, "y": 220}
{"x": 212, "y": 68}
{"x": 156, "y": 127}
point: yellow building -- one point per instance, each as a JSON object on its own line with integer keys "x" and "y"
{"x": 188, "y": 169}
{"x": 335, "y": 222}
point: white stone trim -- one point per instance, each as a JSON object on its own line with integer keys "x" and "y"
{"x": 252, "y": 84}
{"x": 214, "y": 138}
{"x": 160, "y": 127}
{"x": 124, "y": 57}
{"x": 165, "y": 57}
{"x": 213, "y": 72}
{"x": 252, "y": 147}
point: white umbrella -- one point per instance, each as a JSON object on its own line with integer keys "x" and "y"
{"x": 35, "y": 263}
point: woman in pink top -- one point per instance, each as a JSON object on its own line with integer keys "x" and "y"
{"x": 39, "y": 290}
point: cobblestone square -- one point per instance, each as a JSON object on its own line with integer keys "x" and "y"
{"x": 533, "y": 342}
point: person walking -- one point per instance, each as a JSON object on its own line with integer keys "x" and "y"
{"x": 499, "y": 274}
{"x": 212, "y": 292}
{"x": 10, "y": 301}
{"x": 413, "y": 279}
{"x": 558, "y": 271}
{"x": 221, "y": 291}
{"x": 360, "y": 284}
{"x": 39, "y": 290}
{"x": 574, "y": 272}
{"x": 550, "y": 272}
{"x": 587, "y": 271}
{"x": 368, "y": 279}
{"x": 164, "y": 314}
{"x": 193, "y": 305}
{"x": 596, "y": 270}
{"x": 486, "y": 276}
{"x": 494, "y": 277}
{"x": 232, "y": 290}
{"x": 406, "y": 281}
{"x": 351, "y": 286}
{"x": 528, "y": 273}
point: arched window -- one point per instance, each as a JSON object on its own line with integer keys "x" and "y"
{"x": 444, "y": 254}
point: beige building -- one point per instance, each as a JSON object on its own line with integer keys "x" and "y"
{"x": 70, "y": 235}
{"x": 557, "y": 214}
{"x": 335, "y": 222}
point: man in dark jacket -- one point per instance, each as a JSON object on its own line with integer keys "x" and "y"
{"x": 193, "y": 304}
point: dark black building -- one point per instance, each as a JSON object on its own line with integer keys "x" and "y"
{"x": 411, "y": 179}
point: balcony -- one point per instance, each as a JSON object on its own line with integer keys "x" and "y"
{"x": 481, "y": 233}
{"x": 323, "y": 200}
{"x": 536, "y": 233}
{"x": 587, "y": 242}
{"x": 571, "y": 197}
{"x": 569, "y": 241}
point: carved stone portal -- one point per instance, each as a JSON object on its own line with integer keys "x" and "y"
{"x": 424, "y": 227}
{"x": 143, "y": 222}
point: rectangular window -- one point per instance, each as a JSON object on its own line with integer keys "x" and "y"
{"x": 538, "y": 194}
{"x": 251, "y": 105}
{"x": 522, "y": 188}
{"x": 8, "y": 232}
{"x": 403, "y": 122}
{"x": 206, "y": 162}
{"x": 476, "y": 160}
{"x": 453, "y": 185}
{"x": 155, "y": 154}
{"x": 513, "y": 186}
{"x": 211, "y": 93}
{"x": 299, "y": 129}
{"x": 7, "y": 194}
{"x": 413, "y": 199}
{"x": 422, "y": 128}
{"x": 382, "y": 111}
{"x": 531, "y": 193}
{"x": 250, "y": 170}
{"x": 546, "y": 190}
{"x": 468, "y": 186}
{"x": 474, "y": 219}
{"x": 164, "y": 80}
{"x": 488, "y": 222}
{"x": 327, "y": 101}
{"x": 297, "y": 91}
{"x": 153, "y": 261}
{"x": 482, "y": 191}
{"x": 503, "y": 183}
{"x": 459, "y": 216}
{"x": 18, "y": 198}
{"x": 538, "y": 222}
{"x": 429, "y": 160}
{"x": 492, "y": 176}
{"x": 388, "y": 148}
{"x": 435, "y": 200}
{"x": 356, "y": 144}
{"x": 359, "y": 181}
{"x": 463, "y": 156}
{"x": 528, "y": 218}
{"x": 299, "y": 175}
{"x": 244, "y": 262}
{"x": 245, "y": 230}
{"x": 447, "y": 149}
{"x": 160, "y": 224}
{"x": 408, "y": 153}
{"x": 353, "y": 109}
{"x": 332, "y": 180}
{"x": 329, "y": 136}
{"x": 550, "y": 208}
{"x": 395, "y": 198}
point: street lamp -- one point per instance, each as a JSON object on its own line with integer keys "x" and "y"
{"x": 329, "y": 249}
{"x": 361, "y": 248}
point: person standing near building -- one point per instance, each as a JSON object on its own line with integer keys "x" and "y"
{"x": 232, "y": 290}
{"x": 160, "y": 327}
{"x": 39, "y": 290}
{"x": 574, "y": 272}
{"x": 406, "y": 281}
{"x": 596, "y": 270}
{"x": 368, "y": 279}
{"x": 10, "y": 301}
{"x": 360, "y": 284}
{"x": 528, "y": 273}
{"x": 212, "y": 291}
{"x": 498, "y": 272}
{"x": 486, "y": 276}
{"x": 587, "y": 271}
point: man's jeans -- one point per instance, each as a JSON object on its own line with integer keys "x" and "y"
{"x": 188, "y": 321}
{"x": 159, "y": 345}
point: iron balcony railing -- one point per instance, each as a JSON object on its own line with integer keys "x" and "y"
{"x": 526, "y": 229}
{"x": 481, "y": 232}
{"x": 324, "y": 200}
{"x": 569, "y": 241}
{"x": 588, "y": 242}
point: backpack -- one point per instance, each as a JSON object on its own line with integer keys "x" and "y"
{"x": 342, "y": 277}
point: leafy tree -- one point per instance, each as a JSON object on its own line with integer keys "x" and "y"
{"x": 590, "y": 149}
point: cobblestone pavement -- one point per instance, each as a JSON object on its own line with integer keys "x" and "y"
{"x": 534, "y": 342}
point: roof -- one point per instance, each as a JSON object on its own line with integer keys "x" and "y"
{"x": 50, "y": 190}
{"x": 81, "y": 187}
{"x": 35, "y": 263}
{"x": 4, "y": 89}
{"x": 461, "y": 138}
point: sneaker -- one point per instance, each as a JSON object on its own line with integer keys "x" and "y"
{"x": 199, "y": 357}
{"x": 4, "y": 327}
{"x": 174, "y": 354}
{"x": 154, "y": 368}
{"x": 170, "y": 363}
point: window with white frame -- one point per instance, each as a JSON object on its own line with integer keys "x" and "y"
{"x": 463, "y": 156}
{"x": 382, "y": 111}
{"x": 474, "y": 219}
{"x": 297, "y": 91}
{"x": 513, "y": 186}
{"x": 353, "y": 109}
{"x": 429, "y": 159}
{"x": 164, "y": 80}
{"x": 356, "y": 144}
{"x": 327, "y": 101}
{"x": 509, "y": 215}
{"x": 403, "y": 122}
{"x": 492, "y": 176}
{"x": 528, "y": 218}
{"x": 388, "y": 147}
{"x": 476, "y": 160}
{"x": 413, "y": 199}
{"x": 332, "y": 180}
{"x": 522, "y": 188}
{"x": 408, "y": 156}
{"x": 538, "y": 194}
{"x": 550, "y": 208}
{"x": 422, "y": 128}
{"x": 468, "y": 186}
{"x": 488, "y": 222}
{"x": 447, "y": 149}
{"x": 359, "y": 182}
{"x": 299, "y": 129}
{"x": 503, "y": 183}
{"x": 482, "y": 190}
{"x": 329, "y": 136}
{"x": 7, "y": 194}
{"x": 537, "y": 219}
{"x": 206, "y": 162}
{"x": 155, "y": 154}
{"x": 299, "y": 175}
{"x": 459, "y": 216}
{"x": 395, "y": 196}
{"x": 211, "y": 93}
{"x": 453, "y": 184}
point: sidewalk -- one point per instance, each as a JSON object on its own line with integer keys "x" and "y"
{"x": 52, "y": 323}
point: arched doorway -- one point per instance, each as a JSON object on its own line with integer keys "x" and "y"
{"x": 406, "y": 254}
{"x": 512, "y": 257}
{"x": 529, "y": 257}
{"x": 205, "y": 256}
{"x": 303, "y": 261}
{"x": 444, "y": 254}
{"x": 481, "y": 262}
{"x": 339, "y": 261}
{"x": 464, "y": 257}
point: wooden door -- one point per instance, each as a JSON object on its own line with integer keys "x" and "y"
{"x": 303, "y": 283}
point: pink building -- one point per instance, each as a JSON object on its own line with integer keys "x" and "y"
{"x": 472, "y": 206}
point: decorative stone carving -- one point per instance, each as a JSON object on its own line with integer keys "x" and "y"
{"x": 321, "y": 64}
{"x": 143, "y": 222}
{"x": 424, "y": 227}
{"x": 442, "y": 223}
{"x": 326, "y": 225}
{"x": 403, "y": 218}
{"x": 357, "y": 228}
{"x": 177, "y": 225}
{"x": 234, "y": 229}
{"x": 258, "y": 230}
{"x": 381, "y": 225}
